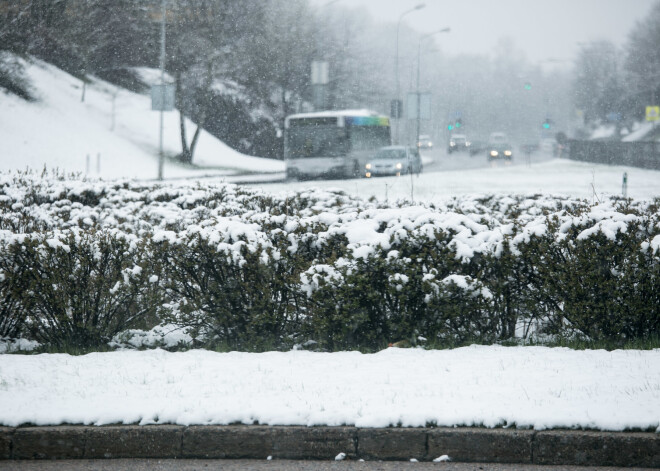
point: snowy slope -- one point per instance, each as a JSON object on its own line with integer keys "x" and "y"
{"x": 60, "y": 131}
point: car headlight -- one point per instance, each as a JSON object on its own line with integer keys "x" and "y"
{"x": 467, "y": 144}
{"x": 399, "y": 165}
{"x": 368, "y": 175}
{"x": 368, "y": 166}
{"x": 452, "y": 144}
{"x": 493, "y": 153}
{"x": 430, "y": 144}
{"x": 507, "y": 153}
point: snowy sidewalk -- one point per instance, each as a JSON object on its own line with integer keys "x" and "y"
{"x": 486, "y": 386}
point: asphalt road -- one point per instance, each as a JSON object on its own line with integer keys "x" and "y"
{"x": 442, "y": 161}
{"x": 277, "y": 465}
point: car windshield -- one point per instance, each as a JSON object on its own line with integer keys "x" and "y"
{"x": 388, "y": 154}
{"x": 498, "y": 139}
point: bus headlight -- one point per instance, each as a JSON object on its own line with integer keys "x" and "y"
{"x": 368, "y": 166}
{"x": 399, "y": 165}
{"x": 507, "y": 153}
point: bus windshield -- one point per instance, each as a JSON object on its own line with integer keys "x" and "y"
{"x": 316, "y": 141}
{"x": 369, "y": 137}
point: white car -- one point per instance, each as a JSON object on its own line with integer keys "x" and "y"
{"x": 424, "y": 142}
{"x": 394, "y": 160}
{"x": 458, "y": 143}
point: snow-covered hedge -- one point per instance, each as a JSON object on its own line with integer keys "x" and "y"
{"x": 83, "y": 260}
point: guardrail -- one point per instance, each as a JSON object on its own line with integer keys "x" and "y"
{"x": 635, "y": 154}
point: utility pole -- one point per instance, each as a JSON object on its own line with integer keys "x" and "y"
{"x": 161, "y": 156}
{"x": 396, "y": 68}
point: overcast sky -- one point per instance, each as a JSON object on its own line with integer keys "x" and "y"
{"x": 542, "y": 29}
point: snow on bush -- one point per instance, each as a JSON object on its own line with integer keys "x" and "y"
{"x": 252, "y": 270}
{"x": 163, "y": 336}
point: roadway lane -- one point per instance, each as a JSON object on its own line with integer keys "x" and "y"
{"x": 438, "y": 160}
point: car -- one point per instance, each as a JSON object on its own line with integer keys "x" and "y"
{"x": 458, "y": 143}
{"x": 424, "y": 142}
{"x": 499, "y": 147}
{"x": 477, "y": 147}
{"x": 394, "y": 160}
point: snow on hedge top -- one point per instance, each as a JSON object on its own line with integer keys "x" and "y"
{"x": 234, "y": 218}
{"x": 116, "y": 128}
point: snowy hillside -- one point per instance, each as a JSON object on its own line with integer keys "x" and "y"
{"x": 60, "y": 131}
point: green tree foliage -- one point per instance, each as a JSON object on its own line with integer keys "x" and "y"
{"x": 598, "y": 80}
{"x": 642, "y": 62}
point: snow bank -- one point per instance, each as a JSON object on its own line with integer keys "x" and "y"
{"x": 490, "y": 386}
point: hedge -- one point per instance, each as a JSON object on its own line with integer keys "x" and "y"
{"x": 82, "y": 261}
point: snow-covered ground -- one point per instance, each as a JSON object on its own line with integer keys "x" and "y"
{"x": 490, "y": 386}
{"x": 551, "y": 177}
{"x": 60, "y": 131}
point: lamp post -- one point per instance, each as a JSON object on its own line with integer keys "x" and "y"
{"x": 396, "y": 66}
{"x": 419, "y": 49}
{"x": 161, "y": 156}
{"x": 320, "y": 68}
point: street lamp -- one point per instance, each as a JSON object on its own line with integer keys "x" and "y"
{"x": 320, "y": 68}
{"x": 419, "y": 49}
{"x": 161, "y": 155}
{"x": 396, "y": 65}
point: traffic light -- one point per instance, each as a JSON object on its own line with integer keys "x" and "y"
{"x": 450, "y": 126}
{"x": 547, "y": 124}
{"x": 459, "y": 123}
{"x": 528, "y": 86}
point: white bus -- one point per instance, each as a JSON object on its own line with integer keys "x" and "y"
{"x": 333, "y": 143}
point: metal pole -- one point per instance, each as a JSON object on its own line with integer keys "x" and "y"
{"x": 161, "y": 157}
{"x": 396, "y": 69}
{"x": 419, "y": 111}
{"x": 419, "y": 55}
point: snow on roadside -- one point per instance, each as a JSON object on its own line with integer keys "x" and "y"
{"x": 492, "y": 386}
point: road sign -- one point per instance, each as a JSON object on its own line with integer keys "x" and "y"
{"x": 396, "y": 109}
{"x": 162, "y": 97}
{"x": 424, "y": 111}
{"x": 653, "y": 113}
{"x": 320, "y": 74}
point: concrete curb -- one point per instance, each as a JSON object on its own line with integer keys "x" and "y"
{"x": 554, "y": 447}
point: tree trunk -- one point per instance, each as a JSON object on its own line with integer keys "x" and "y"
{"x": 185, "y": 155}
{"x": 193, "y": 143}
